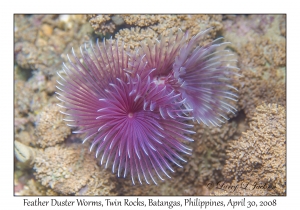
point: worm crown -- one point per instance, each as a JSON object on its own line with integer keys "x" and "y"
{"x": 135, "y": 108}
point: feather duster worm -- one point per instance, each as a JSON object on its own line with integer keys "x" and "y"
{"x": 109, "y": 106}
{"x": 134, "y": 107}
{"x": 201, "y": 74}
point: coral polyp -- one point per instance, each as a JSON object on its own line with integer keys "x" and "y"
{"x": 135, "y": 107}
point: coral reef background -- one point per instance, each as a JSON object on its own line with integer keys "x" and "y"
{"x": 249, "y": 148}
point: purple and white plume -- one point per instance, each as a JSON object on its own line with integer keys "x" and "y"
{"x": 121, "y": 115}
{"x": 135, "y": 108}
{"x": 201, "y": 74}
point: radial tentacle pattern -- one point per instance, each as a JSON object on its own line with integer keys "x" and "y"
{"x": 133, "y": 106}
{"x": 202, "y": 75}
{"x": 134, "y": 126}
{"x": 158, "y": 58}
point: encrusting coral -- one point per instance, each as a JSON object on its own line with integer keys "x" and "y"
{"x": 132, "y": 37}
{"x": 50, "y": 128}
{"x": 259, "y": 156}
{"x": 102, "y": 24}
{"x": 153, "y": 26}
{"x": 141, "y": 20}
{"x": 70, "y": 170}
{"x": 261, "y": 48}
{"x": 161, "y": 24}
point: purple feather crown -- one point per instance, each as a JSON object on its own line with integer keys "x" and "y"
{"x": 136, "y": 108}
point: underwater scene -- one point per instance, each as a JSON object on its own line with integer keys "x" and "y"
{"x": 164, "y": 104}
